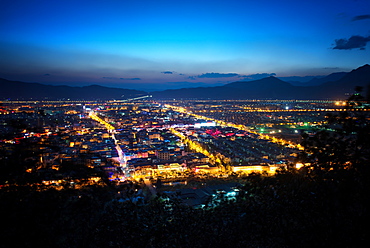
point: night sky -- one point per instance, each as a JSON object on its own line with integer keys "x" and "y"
{"x": 155, "y": 44}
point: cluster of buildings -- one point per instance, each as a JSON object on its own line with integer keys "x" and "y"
{"x": 141, "y": 142}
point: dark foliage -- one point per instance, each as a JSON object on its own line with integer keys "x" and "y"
{"x": 344, "y": 144}
{"x": 288, "y": 210}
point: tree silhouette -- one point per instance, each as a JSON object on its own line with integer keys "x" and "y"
{"x": 344, "y": 143}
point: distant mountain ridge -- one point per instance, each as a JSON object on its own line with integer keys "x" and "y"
{"x": 264, "y": 83}
{"x": 270, "y": 87}
{"x": 347, "y": 84}
{"x": 274, "y": 88}
{"x": 330, "y": 78}
{"x": 313, "y": 80}
{"x": 15, "y": 90}
{"x": 334, "y": 86}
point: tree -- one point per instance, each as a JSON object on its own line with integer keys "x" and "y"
{"x": 344, "y": 143}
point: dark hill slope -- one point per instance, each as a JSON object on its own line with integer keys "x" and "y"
{"x": 269, "y": 83}
{"x": 330, "y": 78}
{"x": 19, "y": 90}
{"x": 274, "y": 88}
{"x": 270, "y": 87}
{"x": 345, "y": 86}
{"x": 267, "y": 88}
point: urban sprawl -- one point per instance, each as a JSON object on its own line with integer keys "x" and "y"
{"x": 163, "y": 144}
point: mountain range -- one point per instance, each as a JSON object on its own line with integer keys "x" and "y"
{"x": 313, "y": 81}
{"x": 334, "y": 86}
{"x": 15, "y": 90}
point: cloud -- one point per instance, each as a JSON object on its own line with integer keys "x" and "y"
{"x": 109, "y": 77}
{"x": 232, "y": 75}
{"x": 258, "y": 76}
{"x": 218, "y": 75}
{"x": 355, "y": 41}
{"x": 130, "y": 78}
{"x": 115, "y": 78}
{"x": 167, "y": 72}
{"x": 360, "y": 17}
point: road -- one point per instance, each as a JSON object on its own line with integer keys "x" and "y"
{"x": 149, "y": 184}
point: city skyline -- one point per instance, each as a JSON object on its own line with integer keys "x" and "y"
{"x": 179, "y": 44}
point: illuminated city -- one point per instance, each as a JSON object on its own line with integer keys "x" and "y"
{"x": 136, "y": 139}
{"x": 196, "y": 152}
{"x": 171, "y": 124}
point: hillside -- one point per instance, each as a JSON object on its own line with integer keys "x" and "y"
{"x": 333, "y": 86}
{"x": 330, "y": 78}
{"x": 274, "y": 88}
{"x": 15, "y": 90}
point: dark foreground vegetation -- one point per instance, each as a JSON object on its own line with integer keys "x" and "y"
{"x": 292, "y": 209}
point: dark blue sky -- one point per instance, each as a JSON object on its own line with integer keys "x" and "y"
{"x": 179, "y": 43}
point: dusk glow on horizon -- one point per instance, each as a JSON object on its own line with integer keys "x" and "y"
{"x": 163, "y": 44}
